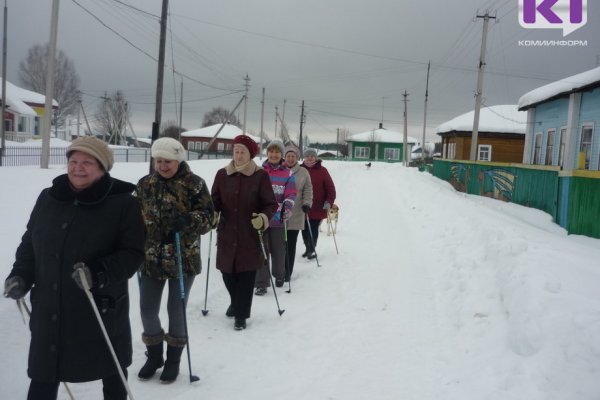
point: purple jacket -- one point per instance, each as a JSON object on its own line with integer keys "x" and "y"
{"x": 284, "y": 187}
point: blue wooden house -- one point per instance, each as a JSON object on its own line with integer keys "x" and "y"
{"x": 563, "y": 123}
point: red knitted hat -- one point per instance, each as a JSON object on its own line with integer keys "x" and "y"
{"x": 248, "y": 142}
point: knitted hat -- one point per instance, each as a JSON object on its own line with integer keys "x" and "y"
{"x": 293, "y": 148}
{"x": 248, "y": 142}
{"x": 278, "y": 143}
{"x": 169, "y": 149}
{"x": 95, "y": 148}
{"x": 310, "y": 152}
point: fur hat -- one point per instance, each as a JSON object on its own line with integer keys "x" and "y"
{"x": 169, "y": 149}
{"x": 276, "y": 143}
{"x": 95, "y": 148}
{"x": 293, "y": 148}
{"x": 310, "y": 152}
{"x": 248, "y": 142}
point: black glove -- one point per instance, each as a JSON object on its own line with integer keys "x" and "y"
{"x": 14, "y": 287}
{"x": 305, "y": 208}
{"x": 95, "y": 277}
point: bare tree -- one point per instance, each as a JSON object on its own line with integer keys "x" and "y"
{"x": 112, "y": 117}
{"x": 32, "y": 75}
{"x": 171, "y": 129}
{"x": 218, "y": 115}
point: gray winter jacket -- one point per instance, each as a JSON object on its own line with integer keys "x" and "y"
{"x": 304, "y": 195}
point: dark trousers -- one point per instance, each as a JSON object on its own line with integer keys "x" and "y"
{"x": 311, "y": 244}
{"x": 112, "y": 389}
{"x": 292, "y": 239}
{"x": 240, "y": 286}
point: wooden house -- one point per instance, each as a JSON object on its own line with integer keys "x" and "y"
{"x": 501, "y": 135}
{"x": 379, "y": 145}
{"x": 562, "y": 120}
{"x": 197, "y": 140}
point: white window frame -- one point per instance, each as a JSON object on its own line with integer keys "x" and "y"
{"x": 550, "y": 146}
{"x": 452, "y": 151}
{"x": 537, "y": 147}
{"x": 487, "y": 148}
{"x": 589, "y": 145}
{"x": 362, "y": 152}
{"x": 394, "y": 156}
{"x": 220, "y": 146}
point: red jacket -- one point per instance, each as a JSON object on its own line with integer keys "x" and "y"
{"x": 323, "y": 190}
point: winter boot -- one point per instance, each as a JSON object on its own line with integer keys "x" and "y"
{"x": 154, "y": 352}
{"x": 175, "y": 347}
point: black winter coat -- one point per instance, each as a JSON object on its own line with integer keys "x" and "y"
{"x": 103, "y": 227}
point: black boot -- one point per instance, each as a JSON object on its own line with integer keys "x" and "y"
{"x": 175, "y": 347}
{"x": 154, "y": 352}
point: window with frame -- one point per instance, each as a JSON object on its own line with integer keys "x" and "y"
{"x": 550, "y": 146}
{"x": 22, "y": 124}
{"x": 537, "y": 148}
{"x": 561, "y": 149}
{"x": 204, "y": 145}
{"x": 484, "y": 152}
{"x": 451, "y": 151}
{"x": 220, "y": 146}
{"x": 586, "y": 144}
{"x": 391, "y": 154}
{"x": 362, "y": 152}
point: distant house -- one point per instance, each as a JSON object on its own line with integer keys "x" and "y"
{"x": 501, "y": 135}
{"x": 563, "y": 119}
{"x": 197, "y": 140}
{"x": 24, "y": 109}
{"x": 379, "y": 144}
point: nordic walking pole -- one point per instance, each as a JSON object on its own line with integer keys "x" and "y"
{"x": 193, "y": 378}
{"x": 312, "y": 240}
{"x": 21, "y": 304}
{"x": 287, "y": 261}
{"x": 86, "y": 289}
{"x": 262, "y": 246}
{"x": 332, "y": 232}
{"x": 205, "y": 311}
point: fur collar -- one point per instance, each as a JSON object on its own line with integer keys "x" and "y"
{"x": 248, "y": 170}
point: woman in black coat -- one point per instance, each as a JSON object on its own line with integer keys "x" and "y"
{"x": 85, "y": 216}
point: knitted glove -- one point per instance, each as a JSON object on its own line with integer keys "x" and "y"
{"x": 14, "y": 287}
{"x": 305, "y": 208}
{"x": 326, "y": 206}
{"x": 257, "y": 221}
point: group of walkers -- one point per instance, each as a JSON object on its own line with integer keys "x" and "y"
{"x": 89, "y": 233}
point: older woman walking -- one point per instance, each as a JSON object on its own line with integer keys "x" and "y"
{"x": 242, "y": 193}
{"x": 173, "y": 200}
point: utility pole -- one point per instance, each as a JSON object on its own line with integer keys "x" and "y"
{"x": 276, "y": 118}
{"x": 4, "y": 52}
{"x": 262, "y": 117}
{"x": 282, "y": 118}
{"x": 49, "y": 86}
{"x": 486, "y": 19}
{"x": 180, "y": 110}
{"x": 425, "y": 114}
{"x": 405, "y": 137}
{"x": 79, "y": 113}
{"x": 87, "y": 123}
{"x": 301, "y": 129}
{"x": 247, "y": 85}
{"x": 382, "y": 108}
{"x": 337, "y": 142}
{"x": 160, "y": 75}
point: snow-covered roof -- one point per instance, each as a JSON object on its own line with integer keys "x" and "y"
{"x": 381, "y": 135}
{"x": 16, "y": 97}
{"x": 564, "y": 86}
{"x": 229, "y": 132}
{"x": 499, "y": 119}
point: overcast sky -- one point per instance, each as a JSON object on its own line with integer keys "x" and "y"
{"x": 350, "y": 61}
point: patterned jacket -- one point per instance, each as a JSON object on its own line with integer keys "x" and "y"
{"x": 284, "y": 187}
{"x": 164, "y": 201}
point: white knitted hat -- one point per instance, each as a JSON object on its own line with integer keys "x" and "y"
{"x": 278, "y": 143}
{"x": 169, "y": 149}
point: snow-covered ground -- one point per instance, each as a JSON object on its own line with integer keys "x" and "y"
{"x": 434, "y": 295}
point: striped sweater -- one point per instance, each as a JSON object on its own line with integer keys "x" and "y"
{"x": 284, "y": 187}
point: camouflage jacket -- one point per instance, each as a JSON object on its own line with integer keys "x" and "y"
{"x": 164, "y": 201}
